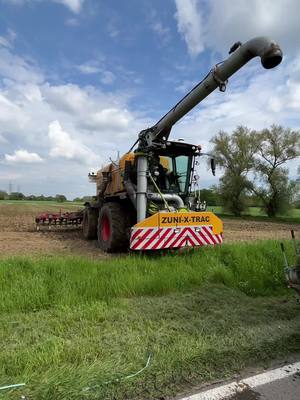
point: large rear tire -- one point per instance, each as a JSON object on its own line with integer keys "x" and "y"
{"x": 113, "y": 228}
{"x": 89, "y": 223}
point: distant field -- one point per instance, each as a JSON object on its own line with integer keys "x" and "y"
{"x": 256, "y": 212}
{"x": 74, "y": 328}
{"x": 294, "y": 214}
{"x": 40, "y": 203}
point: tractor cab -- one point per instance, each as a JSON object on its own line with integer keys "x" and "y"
{"x": 172, "y": 167}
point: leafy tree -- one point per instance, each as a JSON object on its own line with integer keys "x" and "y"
{"x": 233, "y": 193}
{"x": 235, "y": 153}
{"x": 3, "y": 195}
{"x": 253, "y": 200}
{"x": 16, "y": 196}
{"x": 60, "y": 198}
{"x": 87, "y": 199}
{"x": 277, "y": 146}
{"x": 211, "y": 196}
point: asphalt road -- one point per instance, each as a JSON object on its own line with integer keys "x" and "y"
{"x": 282, "y": 389}
{"x": 277, "y": 384}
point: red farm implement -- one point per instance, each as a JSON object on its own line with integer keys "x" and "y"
{"x": 66, "y": 219}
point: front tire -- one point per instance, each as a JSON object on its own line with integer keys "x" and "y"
{"x": 113, "y": 228}
{"x": 89, "y": 223}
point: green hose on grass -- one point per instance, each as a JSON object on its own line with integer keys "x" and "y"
{"x": 17, "y": 385}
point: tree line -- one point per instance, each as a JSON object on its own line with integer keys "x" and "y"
{"x": 20, "y": 196}
{"x": 254, "y": 164}
{"x": 60, "y": 198}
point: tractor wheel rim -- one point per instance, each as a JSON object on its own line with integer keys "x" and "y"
{"x": 105, "y": 228}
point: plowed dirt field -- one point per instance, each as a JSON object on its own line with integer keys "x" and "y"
{"x": 18, "y": 235}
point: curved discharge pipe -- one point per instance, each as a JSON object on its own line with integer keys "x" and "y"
{"x": 270, "y": 54}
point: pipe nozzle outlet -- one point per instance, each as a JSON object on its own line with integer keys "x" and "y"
{"x": 272, "y": 57}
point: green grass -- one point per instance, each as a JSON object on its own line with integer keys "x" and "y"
{"x": 33, "y": 284}
{"x": 70, "y": 323}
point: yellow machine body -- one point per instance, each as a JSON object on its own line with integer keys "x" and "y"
{"x": 115, "y": 185}
{"x": 116, "y": 171}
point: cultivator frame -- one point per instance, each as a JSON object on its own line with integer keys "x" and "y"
{"x": 60, "y": 219}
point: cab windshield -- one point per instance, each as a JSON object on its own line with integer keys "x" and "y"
{"x": 175, "y": 171}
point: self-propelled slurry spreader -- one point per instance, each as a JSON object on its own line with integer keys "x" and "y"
{"x": 145, "y": 201}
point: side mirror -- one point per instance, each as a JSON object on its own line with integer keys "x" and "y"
{"x": 213, "y": 166}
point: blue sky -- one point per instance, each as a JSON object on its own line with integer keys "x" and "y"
{"x": 80, "y": 78}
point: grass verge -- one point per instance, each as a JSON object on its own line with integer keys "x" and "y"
{"x": 68, "y": 324}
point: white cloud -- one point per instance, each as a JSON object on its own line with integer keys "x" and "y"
{"x": 277, "y": 19}
{"x": 2, "y": 139}
{"x": 112, "y": 30}
{"x": 222, "y": 24}
{"x": 89, "y": 68}
{"x": 162, "y": 31}
{"x": 90, "y": 110}
{"x": 8, "y": 39}
{"x": 6, "y": 176}
{"x": 17, "y": 68}
{"x": 23, "y": 156}
{"x": 158, "y": 26}
{"x": 108, "y": 77}
{"x": 111, "y": 119}
{"x": 4, "y": 42}
{"x": 64, "y": 146}
{"x": 93, "y": 125}
{"x": 74, "y": 5}
{"x": 67, "y": 98}
{"x": 190, "y": 25}
{"x": 73, "y": 22}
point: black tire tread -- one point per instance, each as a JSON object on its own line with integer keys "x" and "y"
{"x": 90, "y": 223}
{"x": 119, "y": 225}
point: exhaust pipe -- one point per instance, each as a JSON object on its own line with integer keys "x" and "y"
{"x": 141, "y": 194}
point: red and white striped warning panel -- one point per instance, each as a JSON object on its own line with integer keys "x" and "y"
{"x": 152, "y": 238}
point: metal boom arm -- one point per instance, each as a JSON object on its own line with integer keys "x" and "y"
{"x": 265, "y": 48}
